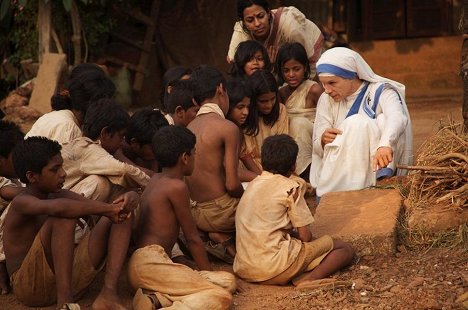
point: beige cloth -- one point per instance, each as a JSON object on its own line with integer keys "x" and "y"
{"x": 34, "y": 282}
{"x": 61, "y": 126}
{"x": 267, "y": 212}
{"x": 253, "y": 144}
{"x": 310, "y": 256}
{"x": 4, "y": 207}
{"x": 217, "y": 215}
{"x": 289, "y": 25}
{"x": 301, "y": 124}
{"x": 83, "y": 157}
{"x": 210, "y": 108}
{"x": 169, "y": 119}
{"x": 177, "y": 286}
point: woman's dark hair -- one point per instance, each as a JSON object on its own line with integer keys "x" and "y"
{"x": 87, "y": 82}
{"x": 262, "y": 82}
{"x": 288, "y": 52}
{"x": 243, "y": 4}
{"x": 244, "y": 53}
{"x": 172, "y": 74}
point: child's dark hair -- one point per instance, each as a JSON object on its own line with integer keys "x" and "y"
{"x": 144, "y": 123}
{"x": 262, "y": 82}
{"x": 33, "y": 154}
{"x": 237, "y": 90}
{"x": 87, "y": 83}
{"x": 181, "y": 95}
{"x": 291, "y": 51}
{"x": 10, "y": 135}
{"x": 170, "y": 142}
{"x": 170, "y": 76}
{"x": 243, "y": 4}
{"x": 206, "y": 79}
{"x": 244, "y": 53}
{"x": 279, "y": 154}
{"x": 104, "y": 113}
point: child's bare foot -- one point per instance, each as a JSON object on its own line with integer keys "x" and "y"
{"x": 4, "y": 280}
{"x": 145, "y": 300}
{"x": 226, "y": 240}
{"x": 107, "y": 300}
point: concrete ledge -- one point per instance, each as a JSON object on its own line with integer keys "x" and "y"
{"x": 368, "y": 219}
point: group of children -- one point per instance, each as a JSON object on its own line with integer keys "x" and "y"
{"x": 98, "y": 183}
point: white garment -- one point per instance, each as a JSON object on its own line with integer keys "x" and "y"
{"x": 169, "y": 119}
{"x": 61, "y": 126}
{"x": 346, "y": 163}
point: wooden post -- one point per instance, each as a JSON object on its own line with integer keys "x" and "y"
{"x": 76, "y": 38}
{"x": 43, "y": 27}
{"x": 464, "y": 64}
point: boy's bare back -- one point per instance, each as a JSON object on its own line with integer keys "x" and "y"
{"x": 160, "y": 203}
{"x": 217, "y": 157}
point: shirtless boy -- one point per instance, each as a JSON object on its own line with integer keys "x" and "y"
{"x": 10, "y": 135}
{"x": 39, "y": 231}
{"x": 214, "y": 185}
{"x": 165, "y": 209}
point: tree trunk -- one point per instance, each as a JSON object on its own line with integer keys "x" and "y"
{"x": 43, "y": 26}
{"x": 464, "y": 63}
{"x": 76, "y": 38}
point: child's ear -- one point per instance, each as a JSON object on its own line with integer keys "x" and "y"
{"x": 179, "y": 111}
{"x": 31, "y": 176}
{"x": 104, "y": 132}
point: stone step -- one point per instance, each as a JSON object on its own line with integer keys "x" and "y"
{"x": 368, "y": 219}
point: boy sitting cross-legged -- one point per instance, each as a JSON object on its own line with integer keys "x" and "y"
{"x": 42, "y": 261}
{"x": 164, "y": 210}
{"x": 273, "y": 239}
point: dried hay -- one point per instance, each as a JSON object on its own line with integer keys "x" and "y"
{"x": 439, "y": 179}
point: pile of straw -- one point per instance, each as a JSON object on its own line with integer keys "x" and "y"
{"x": 439, "y": 179}
{"x": 441, "y": 173}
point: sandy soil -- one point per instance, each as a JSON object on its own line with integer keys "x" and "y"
{"x": 431, "y": 279}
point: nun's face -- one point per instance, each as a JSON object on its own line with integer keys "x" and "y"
{"x": 337, "y": 87}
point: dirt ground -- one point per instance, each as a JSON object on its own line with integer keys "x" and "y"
{"x": 429, "y": 279}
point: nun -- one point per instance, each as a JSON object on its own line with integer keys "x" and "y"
{"x": 362, "y": 129}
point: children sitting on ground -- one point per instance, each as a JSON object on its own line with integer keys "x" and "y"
{"x": 137, "y": 149}
{"x": 91, "y": 169}
{"x": 214, "y": 186}
{"x": 250, "y": 56}
{"x": 240, "y": 95}
{"x": 300, "y": 96}
{"x": 10, "y": 135}
{"x": 273, "y": 238}
{"x": 181, "y": 108}
{"x": 42, "y": 261}
{"x": 165, "y": 209}
{"x": 267, "y": 117}
{"x": 87, "y": 82}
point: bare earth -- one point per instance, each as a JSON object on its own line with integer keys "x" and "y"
{"x": 431, "y": 279}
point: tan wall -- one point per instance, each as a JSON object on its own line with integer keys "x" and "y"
{"x": 429, "y": 67}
